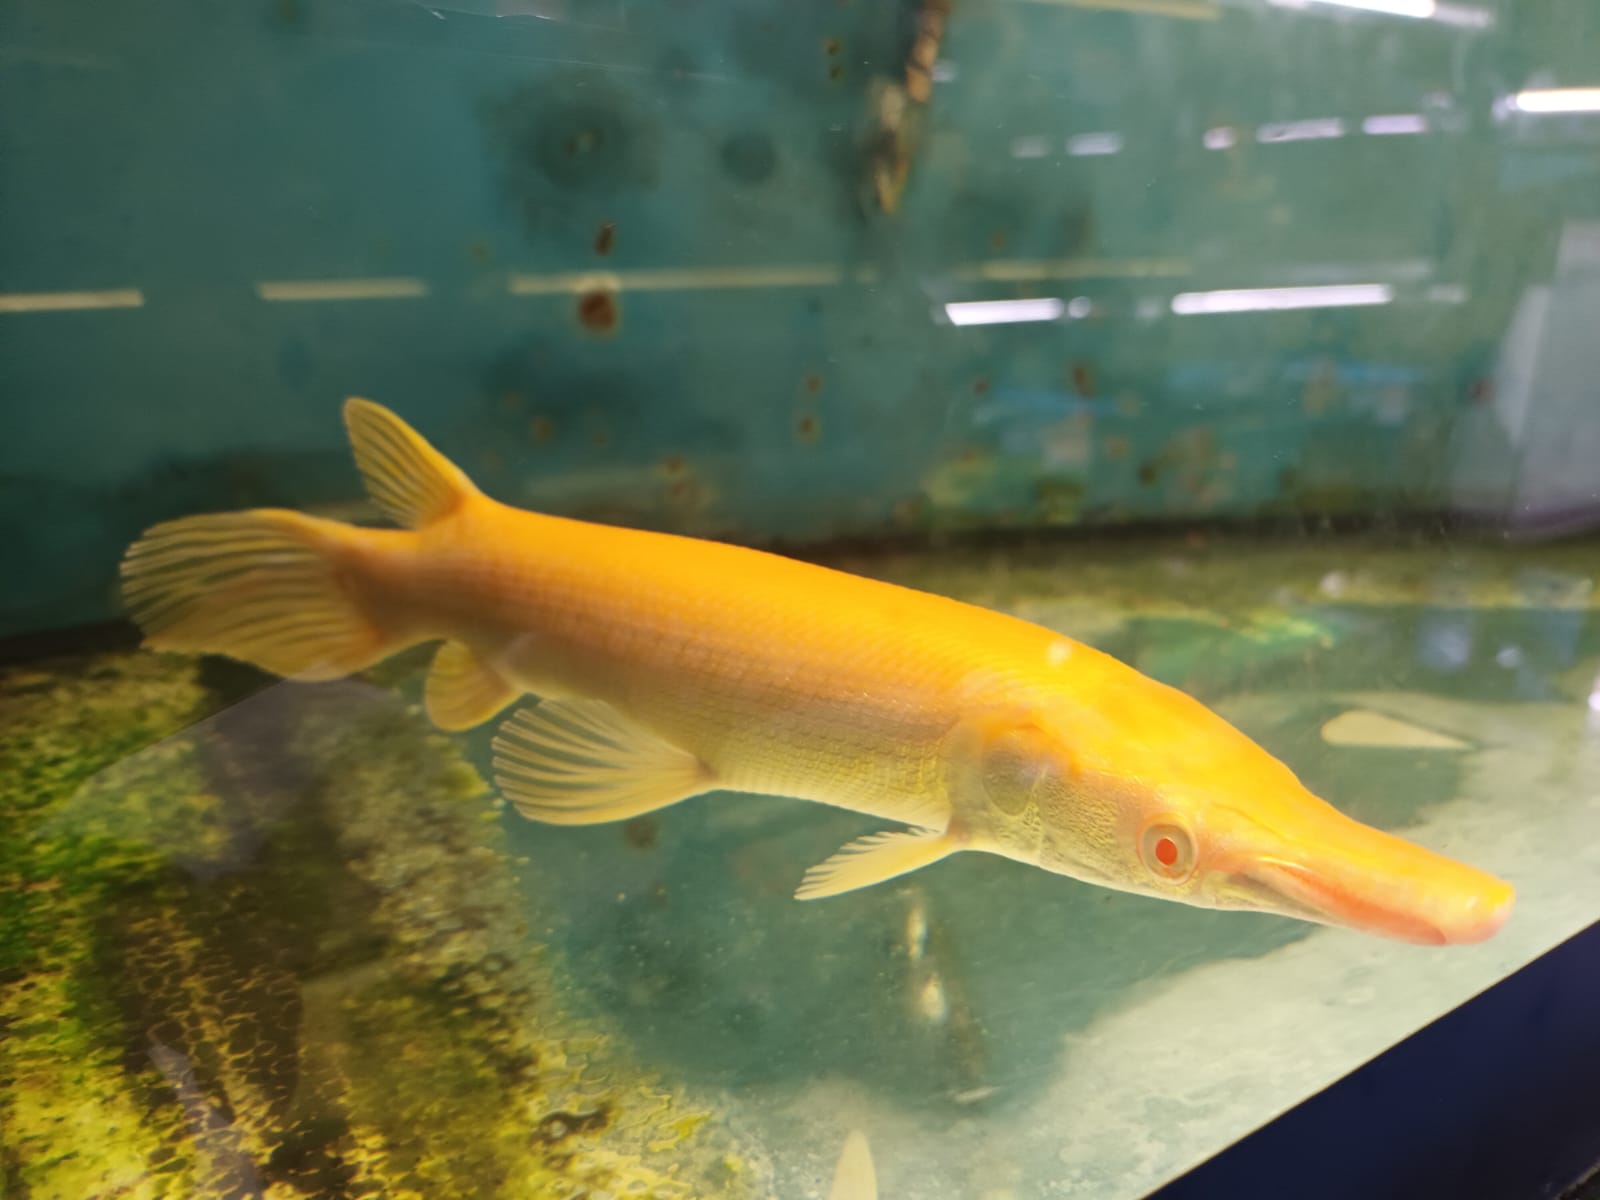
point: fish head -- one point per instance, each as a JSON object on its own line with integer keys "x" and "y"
{"x": 1187, "y": 808}
{"x": 1289, "y": 852}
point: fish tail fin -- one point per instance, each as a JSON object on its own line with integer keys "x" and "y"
{"x": 406, "y": 477}
{"x": 267, "y": 586}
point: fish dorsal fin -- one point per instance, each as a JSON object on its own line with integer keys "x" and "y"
{"x": 875, "y": 858}
{"x": 581, "y": 762}
{"x": 854, "y": 1177}
{"x": 463, "y": 690}
{"x": 407, "y": 478}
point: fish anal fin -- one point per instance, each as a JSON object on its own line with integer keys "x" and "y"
{"x": 581, "y": 762}
{"x": 463, "y": 690}
{"x": 406, "y": 477}
{"x": 875, "y": 858}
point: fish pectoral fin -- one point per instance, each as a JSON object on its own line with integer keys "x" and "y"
{"x": 581, "y": 762}
{"x": 463, "y": 690}
{"x": 875, "y": 858}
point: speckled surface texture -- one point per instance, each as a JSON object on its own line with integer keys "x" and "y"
{"x": 273, "y": 945}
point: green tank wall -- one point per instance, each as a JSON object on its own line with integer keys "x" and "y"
{"x": 766, "y": 270}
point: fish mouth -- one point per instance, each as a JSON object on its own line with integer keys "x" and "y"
{"x": 1442, "y": 917}
{"x": 1361, "y": 878}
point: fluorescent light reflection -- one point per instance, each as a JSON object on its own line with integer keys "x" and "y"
{"x": 1083, "y": 145}
{"x": 291, "y": 291}
{"x": 26, "y": 302}
{"x": 1394, "y": 123}
{"x": 1557, "y": 100}
{"x": 1301, "y": 131}
{"x": 1277, "y": 299}
{"x": 1220, "y": 138}
{"x": 1463, "y": 16}
{"x": 1421, "y": 9}
{"x": 1004, "y": 312}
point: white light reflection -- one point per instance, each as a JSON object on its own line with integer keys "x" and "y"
{"x": 671, "y": 279}
{"x": 1462, "y": 16}
{"x": 1220, "y": 138}
{"x": 1557, "y": 100}
{"x": 1274, "y": 299}
{"x": 1393, "y": 123}
{"x": 1083, "y": 145}
{"x": 300, "y": 291}
{"x": 1301, "y": 131}
{"x": 28, "y": 302}
{"x": 1395, "y": 8}
{"x": 1004, "y": 312}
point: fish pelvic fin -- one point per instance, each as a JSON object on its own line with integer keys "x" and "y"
{"x": 581, "y": 762}
{"x": 875, "y": 858}
{"x": 266, "y": 586}
{"x": 463, "y": 690}
{"x": 411, "y": 482}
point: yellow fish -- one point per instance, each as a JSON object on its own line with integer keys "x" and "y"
{"x": 670, "y": 666}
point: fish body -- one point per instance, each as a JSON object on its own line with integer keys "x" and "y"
{"x": 669, "y": 666}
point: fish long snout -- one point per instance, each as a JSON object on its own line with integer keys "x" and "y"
{"x": 1341, "y": 872}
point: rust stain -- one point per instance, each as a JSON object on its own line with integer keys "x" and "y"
{"x": 597, "y": 311}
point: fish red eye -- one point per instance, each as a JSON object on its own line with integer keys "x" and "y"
{"x": 1167, "y": 850}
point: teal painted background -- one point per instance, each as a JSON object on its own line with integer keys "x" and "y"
{"x": 624, "y": 259}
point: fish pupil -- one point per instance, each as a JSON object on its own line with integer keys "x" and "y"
{"x": 1166, "y": 852}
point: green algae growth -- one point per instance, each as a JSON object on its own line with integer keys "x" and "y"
{"x": 274, "y": 946}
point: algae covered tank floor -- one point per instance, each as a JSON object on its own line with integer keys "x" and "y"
{"x": 264, "y": 939}
{"x": 272, "y": 945}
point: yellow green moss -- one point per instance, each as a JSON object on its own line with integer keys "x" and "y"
{"x": 276, "y": 949}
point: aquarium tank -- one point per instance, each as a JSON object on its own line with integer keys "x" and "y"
{"x": 1220, "y": 375}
